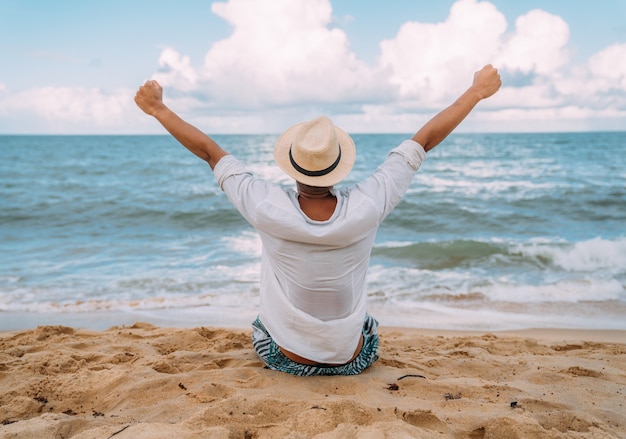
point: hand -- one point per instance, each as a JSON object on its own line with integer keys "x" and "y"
{"x": 486, "y": 81}
{"x": 149, "y": 97}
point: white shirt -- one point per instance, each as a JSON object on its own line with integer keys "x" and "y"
{"x": 313, "y": 273}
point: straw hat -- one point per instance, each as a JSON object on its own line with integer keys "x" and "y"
{"x": 315, "y": 153}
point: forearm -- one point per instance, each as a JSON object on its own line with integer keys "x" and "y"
{"x": 149, "y": 99}
{"x": 440, "y": 126}
{"x": 486, "y": 82}
{"x": 189, "y": 136}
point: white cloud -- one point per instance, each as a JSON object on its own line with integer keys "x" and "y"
{"x": 284, "y": 61}
{"x": 599, "y": 85}
{"x": 538, "y": 45}
{"x": 283, "y": 52}
{"x": 534, "y": 96}
{"x": 176, "y": 71}
{"x": 565, "y": 118}
{"x": 608, "y": 67}
{"x": 63, "y": 109}
{"x": 430, "y": 62}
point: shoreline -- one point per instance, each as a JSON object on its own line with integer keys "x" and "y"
{"x": 424, "y": 316}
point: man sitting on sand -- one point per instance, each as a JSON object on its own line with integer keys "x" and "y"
{"x": 317, "y": 240}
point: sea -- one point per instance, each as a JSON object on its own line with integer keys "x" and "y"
{"x": 497, "y": 232}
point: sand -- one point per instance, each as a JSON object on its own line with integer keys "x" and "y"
{"x": 144, "y": 381}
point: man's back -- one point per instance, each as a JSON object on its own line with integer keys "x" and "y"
{"x": 313, "y": 273}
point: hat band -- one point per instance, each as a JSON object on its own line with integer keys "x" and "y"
{"x": 319, "y": 173}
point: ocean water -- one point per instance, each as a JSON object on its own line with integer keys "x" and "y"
{"x": 498, "y": 231}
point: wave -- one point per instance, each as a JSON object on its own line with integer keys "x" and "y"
{"x": 585, "y": 256}
{"x": 437, "y": 255}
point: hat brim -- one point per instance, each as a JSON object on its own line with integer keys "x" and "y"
{"x": 348, "y": 155}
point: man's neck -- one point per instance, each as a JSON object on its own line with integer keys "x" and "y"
{"x": 314, "y": 192}
{"x": 318, "y": 203}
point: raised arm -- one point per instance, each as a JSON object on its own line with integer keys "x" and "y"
{"x": 486, "y": 83}
{"x": 149, "y": 98}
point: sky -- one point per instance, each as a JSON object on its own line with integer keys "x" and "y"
{"x": 259, "y": 66}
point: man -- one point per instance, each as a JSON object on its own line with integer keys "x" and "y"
{"x": 317, "y": 240}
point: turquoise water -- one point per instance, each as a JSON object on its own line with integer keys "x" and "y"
{"x": 498, "y": 231}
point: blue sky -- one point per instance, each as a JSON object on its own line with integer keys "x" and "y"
{"x": 240, "y": 66}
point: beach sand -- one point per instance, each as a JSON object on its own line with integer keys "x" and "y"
{"x": 144, "y": 381}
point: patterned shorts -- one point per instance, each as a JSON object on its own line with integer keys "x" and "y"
{"x": 274, "y": 359}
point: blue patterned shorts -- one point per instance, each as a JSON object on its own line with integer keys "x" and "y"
{"x": 270, "y": 353}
